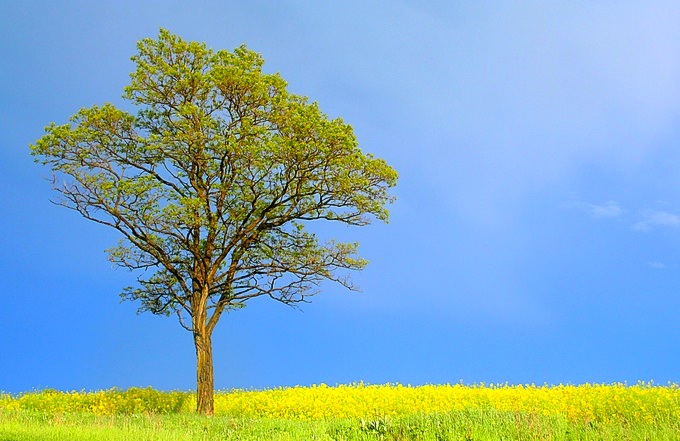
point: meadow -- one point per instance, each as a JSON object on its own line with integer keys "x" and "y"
{"x": 352, "y": 412}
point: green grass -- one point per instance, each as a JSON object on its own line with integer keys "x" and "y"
{"x": 473, "y": 424}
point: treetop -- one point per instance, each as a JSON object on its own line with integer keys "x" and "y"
{"x": 214, "y": 180}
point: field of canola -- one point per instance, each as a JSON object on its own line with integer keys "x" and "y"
{"x": 616, "y": 403}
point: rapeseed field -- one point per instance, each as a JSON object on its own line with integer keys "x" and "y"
{"x": 600, "y": 403}
{"x": 356, "y": 412}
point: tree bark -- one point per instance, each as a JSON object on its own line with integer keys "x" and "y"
{"x": 204, "y": 373}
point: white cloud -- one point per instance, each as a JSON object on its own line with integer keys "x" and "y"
{"x": 657, "y": 265}
{"x": 608, "y": 209}
{"x": 653, "y": 218}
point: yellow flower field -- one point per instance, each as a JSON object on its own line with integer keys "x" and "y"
{"x": 358, "y": 412}
{"x": 603, "y": 403}
{"x": 616, "y": 403}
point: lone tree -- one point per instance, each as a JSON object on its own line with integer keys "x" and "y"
{"x": 213, "y": 185}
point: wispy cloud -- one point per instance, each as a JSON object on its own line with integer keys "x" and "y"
{"x": 647, "y": 219}
{"x": 654, "y": 218}
{"x": 657, "y": 265}
{"x": 608, "y": 209}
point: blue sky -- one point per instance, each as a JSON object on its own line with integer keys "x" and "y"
{"x": 536, "y": 235}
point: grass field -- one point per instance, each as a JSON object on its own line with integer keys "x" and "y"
{"x": 354, "y": 412}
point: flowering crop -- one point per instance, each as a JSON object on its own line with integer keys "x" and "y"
{"x": 112, "y": 401}
{"x": 603, "y": 403}
{"x": 616, "y": 403}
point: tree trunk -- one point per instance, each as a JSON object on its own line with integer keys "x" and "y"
{"x": 204, "y": 373}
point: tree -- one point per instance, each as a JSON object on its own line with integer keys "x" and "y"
{"x": 213, "y": 185}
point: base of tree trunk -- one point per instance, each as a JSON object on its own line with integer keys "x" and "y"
{"x": 205, "y": 393}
